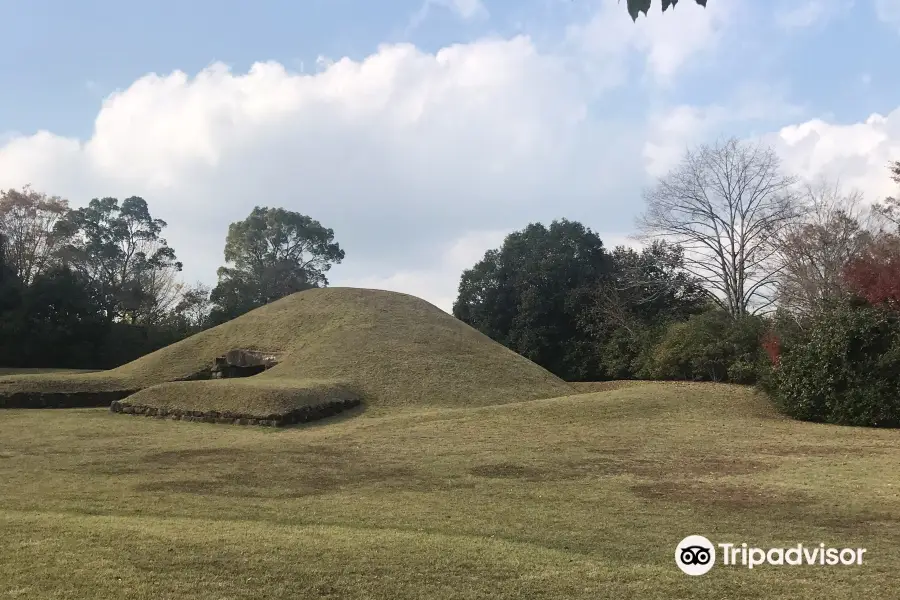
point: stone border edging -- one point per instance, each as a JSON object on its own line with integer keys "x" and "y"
{"x": 303, "y": 414}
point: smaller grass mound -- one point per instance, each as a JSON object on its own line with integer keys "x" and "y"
{"x": 39, "y": 388}
{"x": 254, "y": 401}
{"x": 66, "y": 383}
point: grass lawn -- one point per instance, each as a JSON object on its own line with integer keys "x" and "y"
{"x": 577, "y": 497}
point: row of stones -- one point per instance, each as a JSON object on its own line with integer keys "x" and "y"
{"x": 301, "y": 415}
{"x": 62, "y": 399}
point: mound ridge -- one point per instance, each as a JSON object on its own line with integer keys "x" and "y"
{"x": 333, "y": 344}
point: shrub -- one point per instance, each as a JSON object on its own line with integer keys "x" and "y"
{"x": 846, "y": 370}
{"x": 743, "y": 371}
{"x": 627, "y": 353}
{"x": 771, "y": 345}
{"x": 875, "y": 276}
{"x": 710, "y": 347}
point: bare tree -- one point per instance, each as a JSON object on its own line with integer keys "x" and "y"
{"x": 890, "y": 208}
{"x": 27, "y": 219}
{"x": 120, "y": 251}
{"x": 834, "y": 228}
{"x": 725, "y": 204}
{"x": 157, "y": 291}
{"x": 645, "y": 286}
{"x": 194, "y": 306}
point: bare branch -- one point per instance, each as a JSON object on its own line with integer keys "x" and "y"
{"x": 724, "y": 204}
{"x": 813, "y": 250}
{"x": 27, "y": 220}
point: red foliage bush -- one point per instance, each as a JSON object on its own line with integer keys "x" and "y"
{"x": 772, "y": 346}
{"x": 875, "y": 277}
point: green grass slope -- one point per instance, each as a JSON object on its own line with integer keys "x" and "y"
{"x": 392, "y": 348}
{"x": 579, "y": 497}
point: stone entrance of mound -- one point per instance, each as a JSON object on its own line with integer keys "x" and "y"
{"x": 242, "y": 363}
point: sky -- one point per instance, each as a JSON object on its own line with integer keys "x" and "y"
{"x": 424, "y": 131}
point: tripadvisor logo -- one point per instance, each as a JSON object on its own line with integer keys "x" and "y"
{"x": 696, "y": 555}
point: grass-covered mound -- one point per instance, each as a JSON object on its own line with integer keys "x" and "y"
{"x": 392, "y": 349}
{"x": 242, "y": 401}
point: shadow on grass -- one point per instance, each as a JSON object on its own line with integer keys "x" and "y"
{"x": 340, "y": 417}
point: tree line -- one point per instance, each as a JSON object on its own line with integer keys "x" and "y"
{"x": 98, "y": 286}
{"x": 744, "y": 274}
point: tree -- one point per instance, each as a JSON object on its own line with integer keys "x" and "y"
{"x": 875, "y": 275}
{"x": 193, "y": 308}
{"x": 10, "y": 286}
{"x": 890, "y": 208}
{"x": 845, "y": 370}
{"x": 5, "y": 271}
{"x": 10, "y": 303}
{"x": 648, "y": 286}
{"x": 725, "y": 204}
{"x": 275, "y": 252}
{"x": 62, "y": 323}
{"x": 712, "y": 346}
{"x": 814, "y": 250}
{"x": 529, "y": 295}
{"x": 646, "y": 292}
{"x": 28, "y": 219}
{"x": 154, "y": 292}
{"x": 635, "y": 7}
{"x": 119, "y": 251}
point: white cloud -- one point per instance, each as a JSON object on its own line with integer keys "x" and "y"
{"x": 888, "y": 11}
{"x": 856, "y": 153}
{"x": 792, "y": 15}
{"x": 397, "y": 100}
{"x": 401, "y": 153}
{"x": 667, "y": 41}
{"x": 674, "y": 130}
